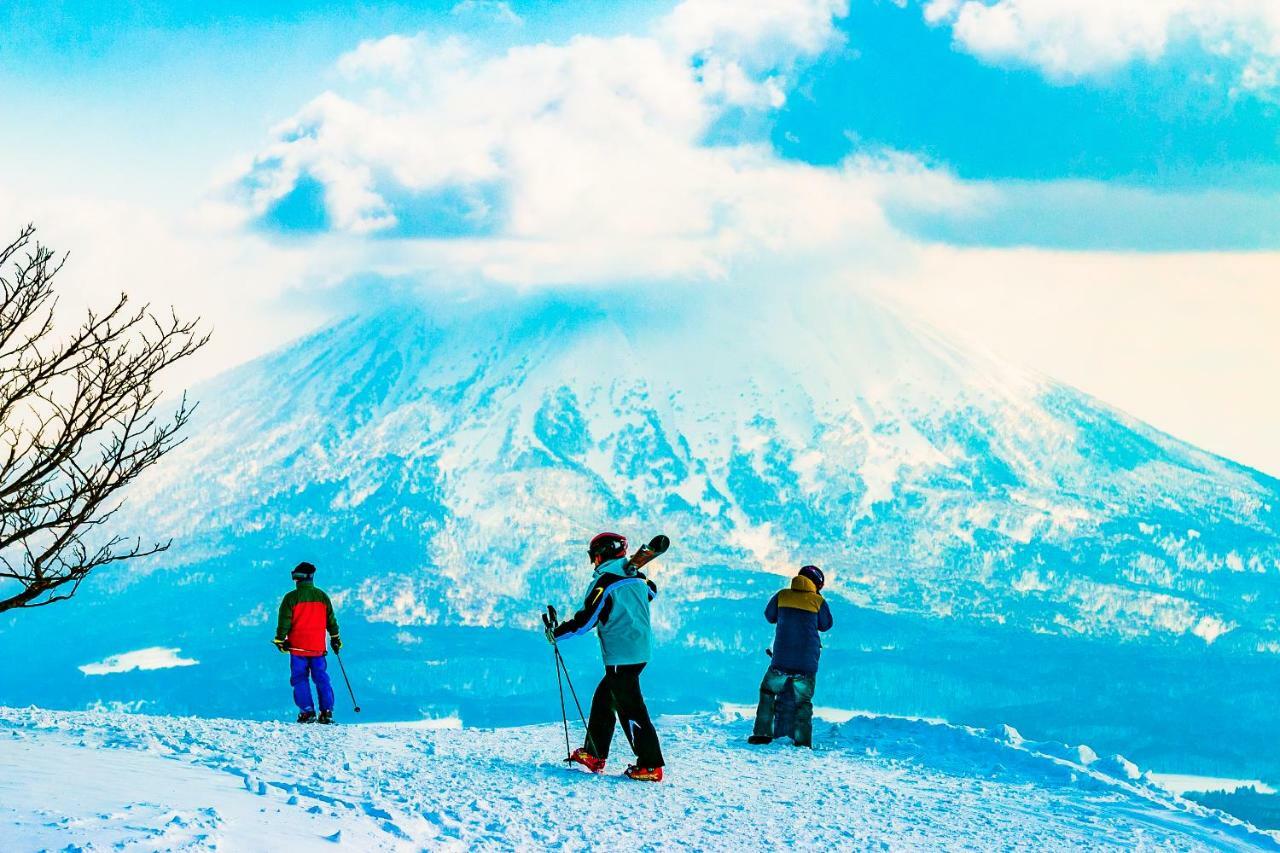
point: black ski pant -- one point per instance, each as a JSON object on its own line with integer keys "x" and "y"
{"x": 619, "y": 695}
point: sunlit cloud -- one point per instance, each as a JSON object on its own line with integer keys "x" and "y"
{"x": 1068, "y": 39}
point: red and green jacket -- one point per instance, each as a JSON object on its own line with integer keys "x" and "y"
{"x": 305, "y": 615}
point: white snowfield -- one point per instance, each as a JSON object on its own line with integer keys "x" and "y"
{"x": 104, "y": 781}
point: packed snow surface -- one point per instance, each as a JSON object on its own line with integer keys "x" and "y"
{"x": 77, "y": 780}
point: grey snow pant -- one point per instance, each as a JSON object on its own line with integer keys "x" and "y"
{"x": 775, "y": 682}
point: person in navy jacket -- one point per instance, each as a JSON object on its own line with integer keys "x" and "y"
{"x": 800, "y": 613}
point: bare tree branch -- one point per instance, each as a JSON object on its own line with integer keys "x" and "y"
{"x": 78, "y": 424}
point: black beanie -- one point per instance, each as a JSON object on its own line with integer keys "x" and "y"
{"x": 303, "y": 572}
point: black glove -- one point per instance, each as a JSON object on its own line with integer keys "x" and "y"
{"x": 549, "y": 625}
{"x": 282, "y": 645}
{"x": 335, "y": 643}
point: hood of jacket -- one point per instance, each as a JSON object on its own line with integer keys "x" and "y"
{"x": 616, "y": 566}
{"x": 800, "y": 583}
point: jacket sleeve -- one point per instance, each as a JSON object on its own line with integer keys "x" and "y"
{"x": 824, "y": 617}
{"x": 285, "y": 621}
{"x": 587, "y": 615}
{"x": 771, "y": 610}
{"x": 332, "y": 622}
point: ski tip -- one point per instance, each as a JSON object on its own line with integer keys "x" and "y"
{"x": 659, "y": 543}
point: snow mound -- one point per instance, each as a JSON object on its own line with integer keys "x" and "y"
{"x": 170, "y": 783}
{"x": 155, "y": 657}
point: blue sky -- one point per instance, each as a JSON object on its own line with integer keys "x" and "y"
{"x": 900, "y": 83}
{"x": 191, "y": 85}
{"x": 276, "y": 151}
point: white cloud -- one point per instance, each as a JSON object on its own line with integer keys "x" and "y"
{"x": 584, "y": 160}
{"x": 402, "y": 57}
{"x": 394, "y": 54}
{"x": 762, "y": 35}
{"x": 155, "y": 657}
{"x": 1068, "y": 39}
{"x": 201, "y": 263}
{"x": 744, "y": 51}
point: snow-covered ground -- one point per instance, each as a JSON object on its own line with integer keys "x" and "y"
{"x": 94, "y": 780}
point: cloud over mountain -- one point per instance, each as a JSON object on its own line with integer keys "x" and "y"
{"x": 579, "y": 161}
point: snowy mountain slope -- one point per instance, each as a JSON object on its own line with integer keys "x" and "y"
{"x": 871, "y": 783}
{"x": 1000, "y": 546}
{"x": 491, "y": 437}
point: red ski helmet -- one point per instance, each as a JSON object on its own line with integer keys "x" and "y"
{"x": 814, "y": 574}
{"x": 607, "y": 546}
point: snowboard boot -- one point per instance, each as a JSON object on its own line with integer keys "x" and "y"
{"x": 587, "y": 760}
{"x": 758, "y": 740}
{"x": 643, "y": 774}
{"x": 326, "y": 717}
{"x": 307, "y": 717}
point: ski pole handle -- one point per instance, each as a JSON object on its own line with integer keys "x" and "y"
{"x": 549, "y": 624}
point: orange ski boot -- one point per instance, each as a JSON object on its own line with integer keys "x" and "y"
{"x": 643, "y": 774}
{"x": 587, "y": 760}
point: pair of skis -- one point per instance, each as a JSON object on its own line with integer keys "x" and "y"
{"x": 645, "y": 554}
{"x": 657, "y": 546}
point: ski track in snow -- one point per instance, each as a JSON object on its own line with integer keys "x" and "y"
{"x": 94, "y": 780}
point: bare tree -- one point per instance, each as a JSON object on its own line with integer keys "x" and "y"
{"x": 77, "y": 425}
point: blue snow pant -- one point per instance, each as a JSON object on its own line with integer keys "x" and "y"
{"x": 300, "y": 667}
{"x": 802, "y": 685}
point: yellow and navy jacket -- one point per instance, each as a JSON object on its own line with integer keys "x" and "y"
{"x": 617, "y": 605}
{"x": 800, "y": 613}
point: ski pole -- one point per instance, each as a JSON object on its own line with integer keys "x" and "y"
{"x": 589, "y": 743}
{"x": 572, "y": 692}
{"x": 354, "y": 706}
{"x": 555, "y": 661}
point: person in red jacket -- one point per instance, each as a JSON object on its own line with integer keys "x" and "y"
{"x": 306, "y": 613}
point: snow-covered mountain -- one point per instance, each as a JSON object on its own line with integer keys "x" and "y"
{"x": 492, "y": 438}
{"x": 444, "y": 460}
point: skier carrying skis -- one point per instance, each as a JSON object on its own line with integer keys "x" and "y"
{"x": 617, "y": 606}
{"x": 800, "y": 613}
{"x": 305, "y": 614}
